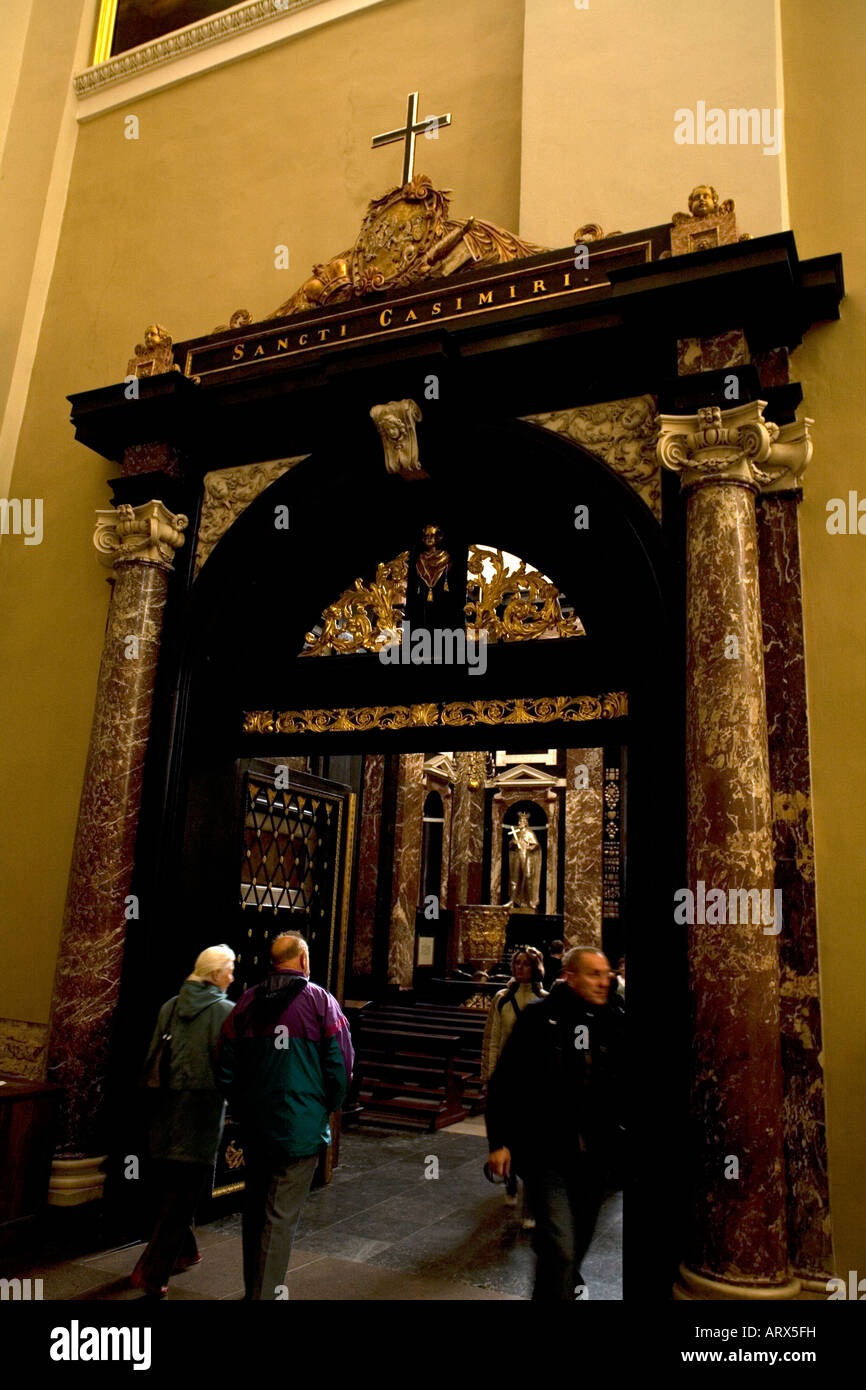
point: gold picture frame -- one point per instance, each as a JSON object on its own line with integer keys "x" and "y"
{"x": 106, "y": 26}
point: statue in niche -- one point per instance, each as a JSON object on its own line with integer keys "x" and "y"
{"x": 434, "y": 562}
{"x": 524, "y": 865}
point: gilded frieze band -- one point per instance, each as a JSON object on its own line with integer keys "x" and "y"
{"x": 570, "y": 709}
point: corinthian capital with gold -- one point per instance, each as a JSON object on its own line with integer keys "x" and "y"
{"x": 145, "y": 535}
{"x": 719, "y": 446}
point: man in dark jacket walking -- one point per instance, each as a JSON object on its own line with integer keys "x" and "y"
{"x": 552, "y": 1114}
{"x": 285, "y": 1062}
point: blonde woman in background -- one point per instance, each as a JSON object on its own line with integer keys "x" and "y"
{"x": 527, "y": 973}
{"x": 187, "y": 1118}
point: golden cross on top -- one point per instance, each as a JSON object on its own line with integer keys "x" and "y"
{"x": 408, "y": 132}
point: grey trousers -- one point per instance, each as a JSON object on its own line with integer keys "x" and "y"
{"x": 276, "y": 1190}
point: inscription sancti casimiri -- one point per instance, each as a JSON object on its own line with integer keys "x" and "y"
{"x": 553, "y": 277}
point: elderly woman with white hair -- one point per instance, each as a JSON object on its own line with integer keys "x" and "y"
{"x": 187, "y": 1118}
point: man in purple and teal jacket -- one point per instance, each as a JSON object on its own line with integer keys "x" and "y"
{"x": 285, "y": 1063}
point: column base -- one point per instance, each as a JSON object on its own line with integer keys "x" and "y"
{"x": 74, "y": 1181}
{"x": 697, "y": 1287}
{"x": 813, "y": 1290}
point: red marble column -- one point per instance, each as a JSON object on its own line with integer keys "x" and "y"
{"x": 808, "y": 1197}
{"x": 739, "y": 1245}
{"x": 139, "y": 543}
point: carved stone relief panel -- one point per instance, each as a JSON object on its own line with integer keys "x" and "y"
{"x": 23, "y": 1048}
{"x": 227, "y": 493}
{"x": 623, "y": 434}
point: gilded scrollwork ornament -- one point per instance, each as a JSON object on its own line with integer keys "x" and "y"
{"x": 239, "y": 319}
{"x": 511, "y": 601}
{"x": 347, "y": 720}
{"x": 570, "y": 709}
{"x": 591, "y": 231}
{"x": 366, "y": 617}
{"x": 508, "y": 600}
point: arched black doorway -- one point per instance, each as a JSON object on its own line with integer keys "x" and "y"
{"x": 510, "y": 485}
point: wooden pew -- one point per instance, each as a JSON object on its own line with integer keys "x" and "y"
{"x": 441, "y": 1022}
{"x": 407, "y": 1075}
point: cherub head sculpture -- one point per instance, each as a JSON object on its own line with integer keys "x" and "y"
{"x": 703, "y": 200}
{"x": 156, "y": 336}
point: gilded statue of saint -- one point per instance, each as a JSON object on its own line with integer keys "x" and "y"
{"x": 434, "y": 562}
{"x": 524, "y": 865}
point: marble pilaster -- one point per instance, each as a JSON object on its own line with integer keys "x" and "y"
{"x": 738, "y": 1245}
{"x": 447, "y": 795}
{"x": 368, "y": 863}
{"x": 584, "y": 808}
{"x": 808, "y": 1202}
{"x": 138, "y": 542}
{"x": 467, "y": 831}
{"x": 406, "y": 883}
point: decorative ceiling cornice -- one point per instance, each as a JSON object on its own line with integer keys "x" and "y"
{"x": 227, "y": 25}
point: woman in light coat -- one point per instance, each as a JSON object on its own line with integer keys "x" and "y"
{"x": 527, "y": 973}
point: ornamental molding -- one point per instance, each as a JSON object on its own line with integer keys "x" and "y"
{"x": 570, "y": 709}
{"x": 734, "y": 446}
{"x": 623, "y": 434}
{"x": 330, "y": 721}
{"x": 227, "y": 494}
{"x": 183, "y": 42}
{"x": 144, "y": 535}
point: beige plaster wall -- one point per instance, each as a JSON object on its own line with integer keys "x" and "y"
{"x": 826, "y": 120}
{"x": 600, "y": 88}
{"x": 180, "y": 226}
{"x": 14, "y": 19}
{"x": 41, "y": 43}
